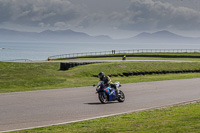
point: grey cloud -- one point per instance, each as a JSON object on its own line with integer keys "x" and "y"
{"x": 34, "y": 12}
{"x": 5, "y": 12}
{"x": 93, "y": 20}
{"x": 132, "y": 15}
{"x": 145, "y": 15}
{"x": 152, "y": 15}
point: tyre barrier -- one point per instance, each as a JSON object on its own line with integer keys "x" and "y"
{"x": 127, "y": 74}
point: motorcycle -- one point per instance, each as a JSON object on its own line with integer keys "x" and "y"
{"x": 107, "y": 94}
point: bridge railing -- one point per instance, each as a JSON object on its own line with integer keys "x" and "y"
{"x": 71, "y": 55}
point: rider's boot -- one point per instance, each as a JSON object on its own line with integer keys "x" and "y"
{"x": 118, "y": 94}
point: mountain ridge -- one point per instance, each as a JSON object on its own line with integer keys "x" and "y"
{"x": 73, "y": 36}
{"x": 162, "y": 37}
{"x": 50, "y": 35}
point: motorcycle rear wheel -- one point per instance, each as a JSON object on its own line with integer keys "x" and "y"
{"x": 103, "y": 98}
{"x": 121, "y": 97}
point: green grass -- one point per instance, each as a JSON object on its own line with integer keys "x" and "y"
{"x": 167, "y": 53}
{"x": 104, "y": 57}
{"x": 177, "y": 119}
{"x": 36, "y": 76}
{"x": 119, "y": 67}
{"x": 135, "y": 58}
{"x": 25, "y": 76}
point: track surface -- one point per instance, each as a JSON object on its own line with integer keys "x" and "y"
{"x": 22, "y": 110}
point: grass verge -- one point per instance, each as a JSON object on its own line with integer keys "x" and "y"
{"x": 177, "y": 119}
{"x": 140, "y": 56}
{"x": 134, "y": 58}
{"x": 36, "y": 76}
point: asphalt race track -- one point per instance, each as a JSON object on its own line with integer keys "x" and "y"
{"x": 24, "y": 110}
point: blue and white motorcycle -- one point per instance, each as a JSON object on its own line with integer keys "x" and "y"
{"x": 107, "y": 94}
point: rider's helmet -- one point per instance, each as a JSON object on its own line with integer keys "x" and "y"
{"x": 101, "y": 75}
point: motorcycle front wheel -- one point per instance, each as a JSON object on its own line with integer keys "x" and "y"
{"x": 121, "y": 97}
{"x": 103, "y": 98}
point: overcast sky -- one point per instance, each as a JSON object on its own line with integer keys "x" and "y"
{"x": 116, "y": 18}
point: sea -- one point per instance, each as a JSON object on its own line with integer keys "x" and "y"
{"x": 38, "y": 51}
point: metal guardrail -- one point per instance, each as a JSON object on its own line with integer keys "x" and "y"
{"x": 71, "y": 55}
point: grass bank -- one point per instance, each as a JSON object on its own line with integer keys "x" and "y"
{"x": 177, "y": 119}
{"x": 133, "y": 58}
{"x": 36, "y": 76}
{"x": 140, "y": 56}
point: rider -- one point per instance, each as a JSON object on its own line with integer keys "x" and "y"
{"x": 107, "y": 81}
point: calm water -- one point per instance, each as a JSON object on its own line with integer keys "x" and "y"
{"x": 41, "y": 51}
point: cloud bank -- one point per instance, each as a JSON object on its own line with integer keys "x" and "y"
{"x": 38, "y": 12}
{"x": 138, "y": 15}
{"x": 149, "y": 15}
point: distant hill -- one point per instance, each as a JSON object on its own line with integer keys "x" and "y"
{"x": 161, "y": 37}
{"x": 72, "y": 36}
{"x": 51, "y": 36}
